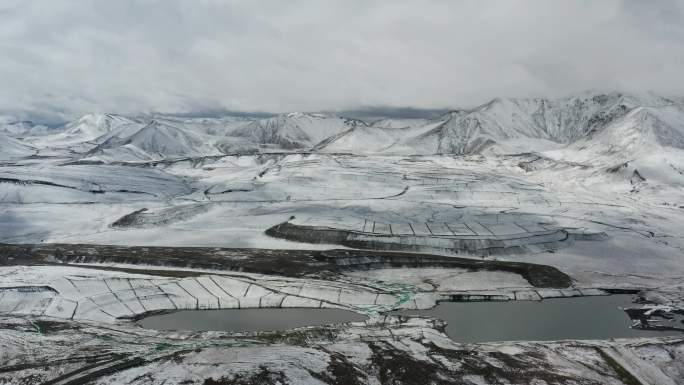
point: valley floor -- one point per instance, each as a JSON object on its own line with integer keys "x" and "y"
{"x": 364, "y": 233}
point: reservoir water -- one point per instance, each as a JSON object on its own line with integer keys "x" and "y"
{"x": 578, "y": 318}
{"x": 248, "y": 319}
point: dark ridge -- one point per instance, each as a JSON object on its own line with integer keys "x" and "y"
{"x": 290, "y": 263}
{"x": 128, "y": 219}
{"x": 622, "y": 374}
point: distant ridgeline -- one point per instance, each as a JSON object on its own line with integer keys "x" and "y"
{"x": 615, "y": 127}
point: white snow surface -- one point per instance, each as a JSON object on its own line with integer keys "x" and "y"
{"x": 88, "y": 128}
{"x": 155, "y": 141}
{"x": 591, "y": 163}
{"x": 614, "y": 126}
{"x": 505, "y": 124}
{"x": 598, "y": 176}
{"x": 11, "y": 148}
{"x": 295, "y": 130}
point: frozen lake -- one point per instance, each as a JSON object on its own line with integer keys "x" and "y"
{"x": 244, "y": 320}
{"x": 578, "y": 318}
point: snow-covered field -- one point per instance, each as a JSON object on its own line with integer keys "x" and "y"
{"x": 591, "y": 185}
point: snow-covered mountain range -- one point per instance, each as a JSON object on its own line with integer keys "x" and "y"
{"x": 504, "y": 124}
{"x": 613, "y": 127}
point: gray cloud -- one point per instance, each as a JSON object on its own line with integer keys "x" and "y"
{"x": 66, "y": 57}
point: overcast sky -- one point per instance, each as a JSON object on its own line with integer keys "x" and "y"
{"x": 132, "y": 56}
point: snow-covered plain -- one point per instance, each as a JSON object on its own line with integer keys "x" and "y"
{"x": 591, "y": 185}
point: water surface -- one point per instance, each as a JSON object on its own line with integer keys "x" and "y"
{"x": 248, "y": 319}
{"x": 577, "y": 318}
